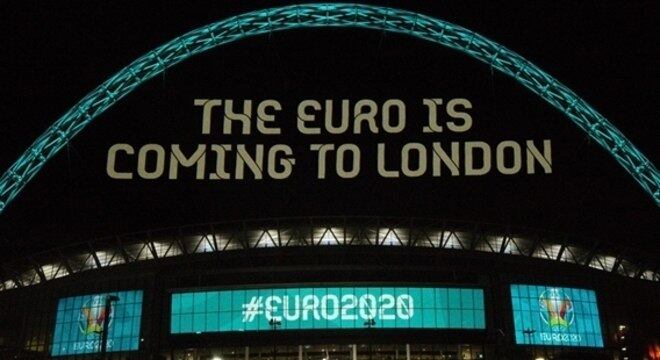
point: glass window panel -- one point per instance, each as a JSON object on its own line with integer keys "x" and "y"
{"x": 467, "y": 299}
{"x": 224, "y": 319}
{"x": 176, "y": 303}
{"x": 327, "y": 308}
{"x": 455, "y": 320}
{"x": 212, "y": 302}
{"x": 441, "y": 298}
{"x": 442, "y": 318}
{"x": 454, "y": 298}
{"x": 467, "y": 318}
{"x": 478, "y": 299}
{"x": 187, "y": 303}
{"x": 428, "y": 318}
{"x": 547, "y": 315}
{"x": 80, "y": 318}
{"x": 186, "y": 325}
{"x": 199, "y": 303}
{"x": 479, "y": 319}
{"x": 225, "y": 301}
{"x": 199, "y": 322}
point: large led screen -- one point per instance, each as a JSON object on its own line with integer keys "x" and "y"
{"x": 547, "y": 315}
{"x": 80, "y": 319}
{"x": 327, "y": 308}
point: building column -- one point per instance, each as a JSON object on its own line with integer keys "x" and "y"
{"x": 354, "y": 352}
{"x": 247, "y": 353}
{"x": 407, "y": 351}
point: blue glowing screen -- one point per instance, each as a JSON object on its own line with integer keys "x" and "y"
{"x": 549, "y": 315}
{"x": 327, "y": 308}
{"x": 79, "y": 323}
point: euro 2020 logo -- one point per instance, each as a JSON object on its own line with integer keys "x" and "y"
{"x": 92, "y": 315}
{"x": 556, "y": 309}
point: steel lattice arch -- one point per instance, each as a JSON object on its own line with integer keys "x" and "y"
{"x": 328, "y": 15}
{"x": 251, "y": 235}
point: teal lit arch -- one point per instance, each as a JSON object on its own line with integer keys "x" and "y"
{"x": 328, "y": 15}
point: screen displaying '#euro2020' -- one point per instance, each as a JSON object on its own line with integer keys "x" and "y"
{"x": 327, "y": 308}
{"x": 80, "y": 319}
{"x": 547, "y": 315}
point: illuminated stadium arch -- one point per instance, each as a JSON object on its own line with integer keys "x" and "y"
{"x": 328, "y": 15}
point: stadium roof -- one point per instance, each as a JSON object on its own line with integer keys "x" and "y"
{"x": 329, "y": 231}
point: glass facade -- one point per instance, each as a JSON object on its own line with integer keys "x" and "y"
{"x": 378, "y": 351}
{"x": 44, "y": 321}
{"x": 327, "y": 308}
{"x": 80, "y": 319}
{"x": 545, "y": 315}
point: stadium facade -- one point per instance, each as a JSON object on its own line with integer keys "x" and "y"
{"x": 333, "y": 288}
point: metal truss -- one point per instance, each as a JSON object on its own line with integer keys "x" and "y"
{"x": 296, "y": 232}
{"x": 328, "y": 15}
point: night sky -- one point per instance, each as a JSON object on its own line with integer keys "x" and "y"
{"x": 53, "y": 53}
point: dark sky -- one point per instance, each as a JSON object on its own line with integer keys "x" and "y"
{"x": 53, "y": 53}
